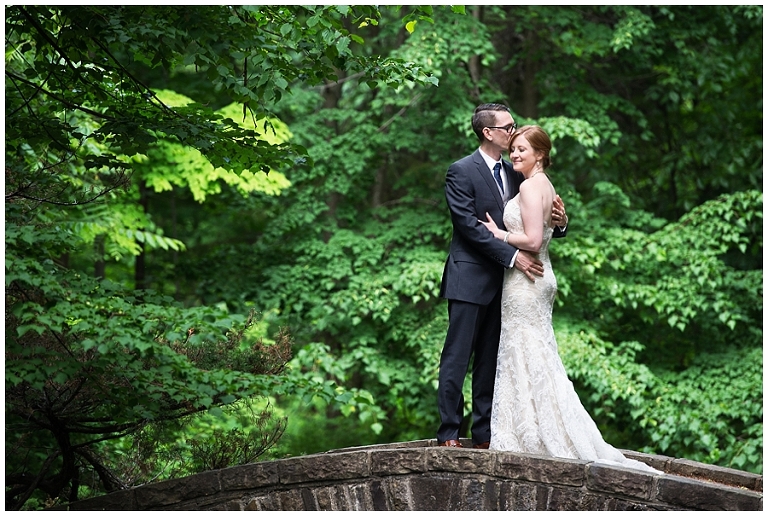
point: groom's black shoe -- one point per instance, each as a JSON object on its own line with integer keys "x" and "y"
{"x": 482, "y": 446}
{"x": 451, "y": 443}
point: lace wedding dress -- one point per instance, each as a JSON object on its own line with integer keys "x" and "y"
{"x": 535, "y": 407}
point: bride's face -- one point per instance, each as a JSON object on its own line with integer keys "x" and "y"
{"x": 522, "y": 156}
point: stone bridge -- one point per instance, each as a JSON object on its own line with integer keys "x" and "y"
{"x": 419, "y": 475}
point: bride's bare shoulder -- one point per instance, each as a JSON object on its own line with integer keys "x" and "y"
{"x": 537, "y": 183}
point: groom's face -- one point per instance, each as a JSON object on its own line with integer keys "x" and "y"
{"x": 504, "y": 126}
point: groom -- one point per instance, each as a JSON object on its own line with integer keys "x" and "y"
{"x": 472, "y": 279}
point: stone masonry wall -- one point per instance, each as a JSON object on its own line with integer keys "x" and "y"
{"x": 418, "y": 476}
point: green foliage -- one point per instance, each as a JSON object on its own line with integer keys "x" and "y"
{"x": 658, "y": 83}
{"x": 93, "y": 367}
{"x": 694, "y": 311}
{"x": 371, "y": 305}
{"x": 237, "y": 434}
{"x": 291, "y": 159}
{"x": 249, "y": 52}
{"x": 711, "y": 412}
{"x": 679, "y": 275}
{"x": 87, "y": 362}
{"x": 169, "y": 164}
{"x": 723, "y": 420}
{"x": 315, "y": 427}
{"x": 350, "y": 256}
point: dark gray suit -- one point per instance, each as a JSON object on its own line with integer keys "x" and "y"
{"x": 472, "y": 283}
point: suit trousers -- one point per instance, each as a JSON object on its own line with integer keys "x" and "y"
{"x": 472, "y": 330}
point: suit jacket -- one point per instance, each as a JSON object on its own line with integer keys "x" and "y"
{"x": 474, "y": 270}
{"x": 476, "y": 260}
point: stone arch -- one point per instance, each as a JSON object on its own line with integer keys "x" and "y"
{"x": 419, "y": 475}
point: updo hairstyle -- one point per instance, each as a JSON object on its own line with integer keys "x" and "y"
{"x": 538, "y": 139}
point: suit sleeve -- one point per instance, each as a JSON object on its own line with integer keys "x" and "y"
{"x": 467, "y": 205}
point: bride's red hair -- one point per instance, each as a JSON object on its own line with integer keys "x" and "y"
{"x": 538, "y": 139}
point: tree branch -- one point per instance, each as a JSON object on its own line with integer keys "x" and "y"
{"x": 123, "y": 69}
{"x": 101, "y": 193}
{"x": 109, "y": 480}
{"x": 54, "y": 96}
{"x": 26, "y": 102}
{"x": 398, "y": 114}
{"x": 19, "y": 502}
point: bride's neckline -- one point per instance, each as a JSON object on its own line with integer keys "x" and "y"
{"x": 534, "y": 174}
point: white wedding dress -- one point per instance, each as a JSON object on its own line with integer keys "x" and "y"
{"x": 535, "y": 407}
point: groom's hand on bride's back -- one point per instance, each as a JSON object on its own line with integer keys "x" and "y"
{"x": 559, "y": 218}
{"x": 527, "y": 263}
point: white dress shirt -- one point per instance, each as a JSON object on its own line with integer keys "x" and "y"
{"x": 491, "y": 162}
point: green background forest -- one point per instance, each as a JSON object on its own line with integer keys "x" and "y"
{"x": 225, "y": 227}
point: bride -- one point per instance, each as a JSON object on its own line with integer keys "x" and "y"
{"x": 535, "y": 407}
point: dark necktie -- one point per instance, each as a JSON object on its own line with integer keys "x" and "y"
{"x": 497, "y": 176}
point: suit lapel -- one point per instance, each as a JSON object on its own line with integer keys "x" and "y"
{"x": 482, "y": 169}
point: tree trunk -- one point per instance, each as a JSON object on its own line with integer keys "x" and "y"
{"x": 99, "y": 266}
{"x": 174, "y": 234}
{"x": 139, "y": 273}
{"x": 378, "y": 186}
{"x": 63, "y": 260}
{"x": 332, "y": 95}
{"x": 530, "y": 105}
{"x": 474, "y": 64}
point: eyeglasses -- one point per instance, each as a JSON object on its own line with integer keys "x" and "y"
{"x": 507, "y": 128}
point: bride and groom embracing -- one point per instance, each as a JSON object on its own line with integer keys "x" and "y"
{"x": 500, "y": 289}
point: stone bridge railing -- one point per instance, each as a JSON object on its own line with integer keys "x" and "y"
{"x": 419, "y": 476}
